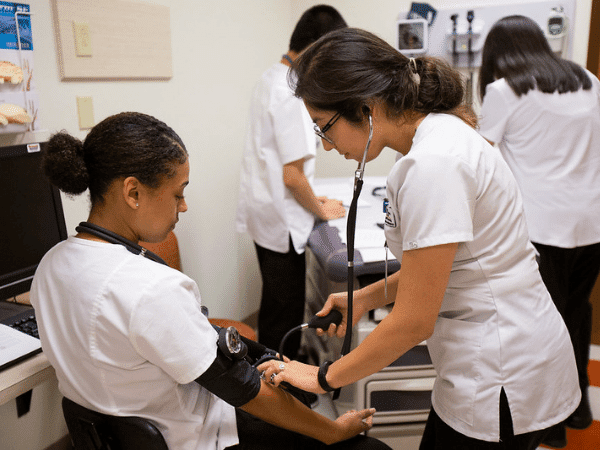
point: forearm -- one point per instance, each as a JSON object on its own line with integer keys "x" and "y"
{"x": 279, "y": 408}
{"x": 300, "y": 188}
{"x": 305, "y": 196}
{"x": 378, "y": 350}
{"x": 420, "y": 286}
{"x": 374, "y": 295}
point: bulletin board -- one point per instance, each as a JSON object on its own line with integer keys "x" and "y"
{"x": 129, "y": 39}
{"x": 19, "y": 102}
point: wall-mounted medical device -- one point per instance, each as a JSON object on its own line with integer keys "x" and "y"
{"x": 556, "y": 29}
{"x": 458, "y": 34}
{"x": 464, "y": 34}
{"x": 412, "y": 36}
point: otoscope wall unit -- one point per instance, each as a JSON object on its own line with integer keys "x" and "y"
{"x": 458, "y": 34}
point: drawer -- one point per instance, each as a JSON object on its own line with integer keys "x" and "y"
{"x": 399, "y": 400}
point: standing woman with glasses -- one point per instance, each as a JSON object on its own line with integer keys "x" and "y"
{"x": 468, "y": 283}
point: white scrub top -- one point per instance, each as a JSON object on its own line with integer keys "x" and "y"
{"x": 280, "y": 131}
{"x": 552, "y": 144}
{"x": 497, "y": 326}
{"x": 126, "y": 336}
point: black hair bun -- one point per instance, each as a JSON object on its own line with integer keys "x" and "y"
{"x": 64, "y": 164}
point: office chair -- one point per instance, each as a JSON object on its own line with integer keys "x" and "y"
{"x": 91, "y": 430}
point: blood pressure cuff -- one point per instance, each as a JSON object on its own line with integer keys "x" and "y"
{"x": 234, "y": 380}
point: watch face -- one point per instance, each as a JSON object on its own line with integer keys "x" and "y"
{"x": 233, "y": 340}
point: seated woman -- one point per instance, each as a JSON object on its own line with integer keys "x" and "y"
{"x": 125, "y": 333}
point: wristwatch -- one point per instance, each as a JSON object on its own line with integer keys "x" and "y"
{"x": 322, "y": 376}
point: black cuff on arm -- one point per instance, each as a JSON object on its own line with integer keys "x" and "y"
{"x": 235, "y": 381}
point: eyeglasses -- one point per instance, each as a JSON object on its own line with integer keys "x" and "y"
{"x": 321, "y": 131}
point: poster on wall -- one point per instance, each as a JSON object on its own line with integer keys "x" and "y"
{"x": 19, "y": 102}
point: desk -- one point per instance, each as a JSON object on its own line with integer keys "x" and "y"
{"x": 24, "y": 376}
{"x": 31, "y": 382}
{"x": 27, "y": 374}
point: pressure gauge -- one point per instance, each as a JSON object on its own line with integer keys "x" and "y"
{"x": 231, "y": 343}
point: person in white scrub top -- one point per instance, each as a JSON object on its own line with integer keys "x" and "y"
{"x": 468, "y": 283}
{"x": 277, "y": 206}
{"x": 127, "y": 335}
{"x": 545, "y": 117}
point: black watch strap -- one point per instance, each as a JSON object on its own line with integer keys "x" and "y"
{"x": 321, "y": 377}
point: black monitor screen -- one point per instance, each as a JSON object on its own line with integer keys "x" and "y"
{"x": 32, "y": 216}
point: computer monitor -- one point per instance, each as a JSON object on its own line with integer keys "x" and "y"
{"x": 31, "y": 216}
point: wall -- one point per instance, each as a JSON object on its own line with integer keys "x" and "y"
{"x": 219, "y": 51}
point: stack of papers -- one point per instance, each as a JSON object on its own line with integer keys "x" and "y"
{"x": 15, "y": 346}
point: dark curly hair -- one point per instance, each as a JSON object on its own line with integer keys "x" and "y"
{"x": 123, "y": 145}
{"x": 348, "y": 68}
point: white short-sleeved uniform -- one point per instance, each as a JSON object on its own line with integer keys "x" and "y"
{"x": 126, "y": 336}
{"x": 552, "y": 144}
{"x": 497, "y": 326}
{"x": 280, "y": 131}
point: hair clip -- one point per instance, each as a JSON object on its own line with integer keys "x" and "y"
{"x": 412, "y": 63}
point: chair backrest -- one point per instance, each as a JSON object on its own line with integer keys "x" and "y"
{"x": 91, "y": 430}
{"x": 167, "y": 250}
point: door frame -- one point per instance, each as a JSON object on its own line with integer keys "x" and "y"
{"x": 593, "y": 65}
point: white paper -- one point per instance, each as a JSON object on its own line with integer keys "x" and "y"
{"x": 375, "y": 254}
{"x": 367, "y": 238}
{"x": 340, "y": 191}
{"x": 15, "y": 343}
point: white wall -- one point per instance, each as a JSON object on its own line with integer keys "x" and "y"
{"x": 219, "y": 50}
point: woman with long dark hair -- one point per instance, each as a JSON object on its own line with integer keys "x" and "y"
{"x": 468, "y": 283}
{"x": 544, "y": 113}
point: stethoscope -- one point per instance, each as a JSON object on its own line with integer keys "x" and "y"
{"x": 114, "y": 238}
{"x": 334, "y": 315}
{"x": 350, "y": 234}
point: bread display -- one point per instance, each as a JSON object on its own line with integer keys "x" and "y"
{"x": 10, "y": 113}
{"x": 10, "y": 73}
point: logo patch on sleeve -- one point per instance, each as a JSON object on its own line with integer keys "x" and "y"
{"x": 390, "y": 215}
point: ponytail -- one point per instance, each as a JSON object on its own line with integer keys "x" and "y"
{"x": 348, "y": 68}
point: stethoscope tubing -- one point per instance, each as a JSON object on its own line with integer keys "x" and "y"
{"x": 350, "y": 235}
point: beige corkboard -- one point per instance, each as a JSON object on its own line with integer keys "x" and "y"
{"x": 129, "y": 39}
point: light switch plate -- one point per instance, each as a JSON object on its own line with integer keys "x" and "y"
{"x": 85, "y": 112}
